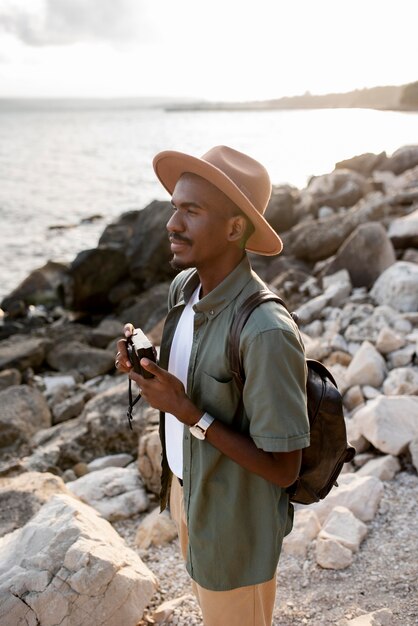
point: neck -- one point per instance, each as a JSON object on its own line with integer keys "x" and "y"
{"x": 211, "y": 277}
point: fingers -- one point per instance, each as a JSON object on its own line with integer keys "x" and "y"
{"x": 152, "y": 368}
{"x": 122, "y": 362}
{"x": 128, "y": 330}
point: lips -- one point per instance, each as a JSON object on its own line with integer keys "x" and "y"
{"x": 178, "y": 243}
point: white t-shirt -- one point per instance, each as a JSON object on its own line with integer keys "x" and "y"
{"x": 178, "y": 365}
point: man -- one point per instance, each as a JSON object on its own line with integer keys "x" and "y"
{"x": 227, "y": 456}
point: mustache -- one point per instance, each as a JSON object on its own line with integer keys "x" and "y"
{"x": 174, "y": 237}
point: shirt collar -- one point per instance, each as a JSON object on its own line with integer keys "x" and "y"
{"x": 212, "y": 304}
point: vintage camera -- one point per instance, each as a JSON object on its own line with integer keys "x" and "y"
{"x": 139, "y": 347}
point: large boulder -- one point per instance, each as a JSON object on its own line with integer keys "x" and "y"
{"x": 280, "y": 212}
{"x": 390, "y": 423}
{"x": 68, "y": 566}
{"x": 317, "y": 240}
{"x": 118, "y": 234}
{"x": 147, "y": 309}
{"x": 365, "y": 254}
{"x": 403, "y": 159}
{"x": 403, "y": 232}
{"x": 94, "y": 273}
{"x": 340, "y": 188}
{"x": 88, "y": 361}
{"x": 46, "y": 286}
{"x": 115, "y": 492}
{"x": 398, "y": 287}
{"x": 344, "y": 527}
{"x": 364, "y": 164}
{"x": 23, "y": 351}
{"x": 22, "y": 496}
{"x": 148, "y": 251}
{"x": 23, "y": 412}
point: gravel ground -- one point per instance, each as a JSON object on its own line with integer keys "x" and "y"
{"x": 384, "y": 573}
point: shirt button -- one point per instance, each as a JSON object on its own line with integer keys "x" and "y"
{"x": 212, "y": 312}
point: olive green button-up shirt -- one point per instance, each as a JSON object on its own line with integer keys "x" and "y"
{"x": 236, "y": 519}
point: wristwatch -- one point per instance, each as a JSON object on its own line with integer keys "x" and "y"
{"x": 199, "y": 429}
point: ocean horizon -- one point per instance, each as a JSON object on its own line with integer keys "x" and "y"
{"x": 66, "y": 173}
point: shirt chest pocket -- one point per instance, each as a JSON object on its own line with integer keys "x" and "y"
{"x": 219, "y": 397}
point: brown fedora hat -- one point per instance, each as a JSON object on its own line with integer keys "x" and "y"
{"x": 242, "y": 179}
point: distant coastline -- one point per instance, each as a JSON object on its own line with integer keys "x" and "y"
{"x": 388, "y": 98}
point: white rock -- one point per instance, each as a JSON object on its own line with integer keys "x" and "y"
{"x": 401, "y": 381}
{"x": 336, "y": 279}
{"x": 390, "y": 423}
{"x": 383, "y": 467}
{"x": 68, "y": 566}
{"x": 342, "y": 526}
{"x": 54, "y": 383}
{"x": 404, "y": 230}
{"x": 362, "y": 458}
{"x": 331, "y": 554}
{"x": 413, "y": 449}
{"x": 312, "y": 309}
{"x": 398, "y": 286}
{"x": 388, "y": 341}
{"x": 314, "y": 329}
{"x": 354, "y": 435}
{"x": 367, "y": 367}
{"x": 360, "y": 494}
{"x": 337, "y": 342}
{"x": 402, "y": 357}
{"x": 370, "y": 393}
{"x": 112, "y": 460}
{"x": 115, "y": 492}
{"x": 383, "y": 617}
{"x": 149, "y": 459}
{"x": 306, "y": 526}
{"x": 155, "y": 529}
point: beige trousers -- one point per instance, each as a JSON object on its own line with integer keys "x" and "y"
{"x": 245, "y": 606}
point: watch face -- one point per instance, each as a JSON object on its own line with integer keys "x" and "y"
{"x": 197, "y": 432}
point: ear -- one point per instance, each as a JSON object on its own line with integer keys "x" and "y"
{"x": 237, "y": 226}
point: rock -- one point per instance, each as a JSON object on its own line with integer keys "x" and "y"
{"x": 364, "y": 322}
{"x": 398, "y": 287}
{"x": 331, "y": 554}
{"x": 22, "y": 496}
{"x": 149, "y": 459}
{"x": 312, "y": 309}
{"x": 45, "y": 286}
{"x": 340, "y": 188}
{"x": 370, "y": 393}
{"x": 390, "y": 423}
{"x": 413, "y": 449}
{"x": 280, "y": 212}
{"x": 70, "y": 407}
{"x": 383, "y": 617}
{"x": 148, "y": 309}
{"x": 342, "y": 526}
{"x": 337, "y": 287}
{"x": 56, "y": 383}
{"x": 353, "y": 397}
{"x": 22, "y": 351}
{"x": 403, "y": 232}
{"x": 115, "y": 492}
{"x": 360, "y": 494}
{"x": 24, "y": 412}
{"x": 355, "y": 437}
{"x": 69, "y": 566}
{"x": 367, "y": 367}
{"x": 148, "y": 250}
{"x": 365, "y": 254}
{"x": 388, "y": 340}
{"x": 111, "y": 460}
{"x": 162, "y": 613}
{"x": 118, "y": 234}
{"x": 364, "y": 164}
{"x": 403, "y": 159}
{"x": 156, "y": 529}
{"x": 314, "y": 241}
{"x": 306, "y": 526}
{"x": 107, "y": 330}
{"x": 90, "y": 362}
{"x": 384, "y": 467}
{"x": 403, "y": 357}
{"x": 361, "y": 459}
{"x": 94, "y": 273}
{"x": 401, "y": 381}
{"x": 410, "y": 255}
{"x": 10, "y": 377}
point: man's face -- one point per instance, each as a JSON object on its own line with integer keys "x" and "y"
{"x": 198, "y": 229}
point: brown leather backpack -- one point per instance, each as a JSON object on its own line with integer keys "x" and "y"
{"x": 323, "y": 460}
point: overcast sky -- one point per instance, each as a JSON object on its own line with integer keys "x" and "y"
{"x": 213, "y": 49}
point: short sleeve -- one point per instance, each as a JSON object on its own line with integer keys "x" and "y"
{"x": 275, "y": 390}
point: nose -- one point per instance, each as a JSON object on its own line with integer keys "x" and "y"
{"x": 175, "y": 224}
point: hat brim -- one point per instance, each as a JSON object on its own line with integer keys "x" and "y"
{"x": 170, "y": 165}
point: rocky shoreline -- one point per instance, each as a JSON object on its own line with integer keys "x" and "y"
{"x": 72, "y": 473}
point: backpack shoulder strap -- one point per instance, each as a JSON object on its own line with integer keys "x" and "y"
{"x": 238, "y": 323}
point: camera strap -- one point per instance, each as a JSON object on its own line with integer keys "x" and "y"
{"x": 131, "y": 403}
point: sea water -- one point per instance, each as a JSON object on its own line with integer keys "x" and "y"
{"x": 60, "y": 168}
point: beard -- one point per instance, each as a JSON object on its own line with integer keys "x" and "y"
{"x": 178, "y": 266}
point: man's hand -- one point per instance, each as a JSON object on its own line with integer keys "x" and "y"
{"x": 122, "y": 362}
{"x": 166, "y": 393}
